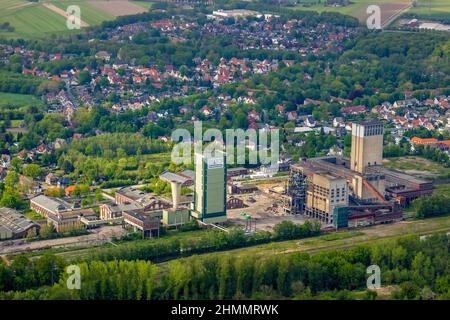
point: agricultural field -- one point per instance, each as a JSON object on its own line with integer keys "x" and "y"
{"x": 431, "y": 7}
{"x": 31, "y": 19}
{"x": 89, "y": 14}
{"x": 118, "y": 7}
{"x": 358, "y": 8}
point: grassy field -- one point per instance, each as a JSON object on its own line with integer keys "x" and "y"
{"x": 33, "y": 215}
{"x": 14, "y": 99}
{"x": 32, "y": 20}
{"x": 442, "y": 190}
{"x": 418, "y": 166}
{"x": 144, "y": 4}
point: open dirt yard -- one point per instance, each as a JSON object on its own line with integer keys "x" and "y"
{"x": 118, "y": 7}
{"x": 266, "y": 208}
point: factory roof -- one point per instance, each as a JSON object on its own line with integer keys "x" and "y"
{"x": 139, "y": 197}
{"x": 52, "y": 204}
{"x": 170, "y": 176}
{"x": 188, "y": 173}
{"x": 14, "y": 221}
{"x": 329, "y": 175}
{"x": 236, "y": 169}
{"x": 398, "y": 175}
{"x": 72, "y": 215}
{"x": 123, "y": 207}
{"x": 369, "y": 123}
{"x": 132, "y": 193}
{"x": 247, "y": 186}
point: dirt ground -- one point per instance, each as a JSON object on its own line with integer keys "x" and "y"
{"x": 267, "y": 209}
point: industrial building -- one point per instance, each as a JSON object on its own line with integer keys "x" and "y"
{"x": 113, "y": 211}
{"x": 236, "y": 13}
{"x": 132, "y": 195}
{"x": 146, "y": 222}
{"x": 14, "y": 225}
{"x": 146, "y": 212}
{"x": 352, "y": 192}
{"x": 63, "y": 215}
{"x": 238, "y": 188}
{"x": 185, "y": 177}
{"x": 210, "y": 195}
{"x": 324, "y": 193}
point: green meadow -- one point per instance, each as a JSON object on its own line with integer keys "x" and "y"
{"x": 14, "y": 99}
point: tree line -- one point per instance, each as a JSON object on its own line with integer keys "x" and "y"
{"x": 416, "y": 269}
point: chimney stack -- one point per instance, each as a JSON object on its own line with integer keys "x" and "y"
{"x": 176, "y": 193}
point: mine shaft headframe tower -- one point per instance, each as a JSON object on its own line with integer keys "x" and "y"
{"x": 367, "y": 145}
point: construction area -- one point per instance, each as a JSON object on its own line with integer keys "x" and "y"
{"x": 265, "y": 207}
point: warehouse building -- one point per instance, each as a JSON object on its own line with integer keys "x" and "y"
{"x": 147, "y": 223}
{"x": 112, "y": 211}
{"x": 62, "y": 214}
{"x": 14, "y": 225}
{"x": 325, "y": 192}
{"x": 131, "y": 195}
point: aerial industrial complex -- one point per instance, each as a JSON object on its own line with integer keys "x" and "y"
{"x": 339, "y": 192}
{"x": 352, "y": 192}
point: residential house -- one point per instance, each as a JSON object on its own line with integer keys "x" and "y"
{"x": 310, "y": 121}
{"x": 353, "y": 110}
{"x": 292, "y": 116}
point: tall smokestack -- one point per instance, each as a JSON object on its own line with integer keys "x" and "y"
{"x": 176, "y": 193}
